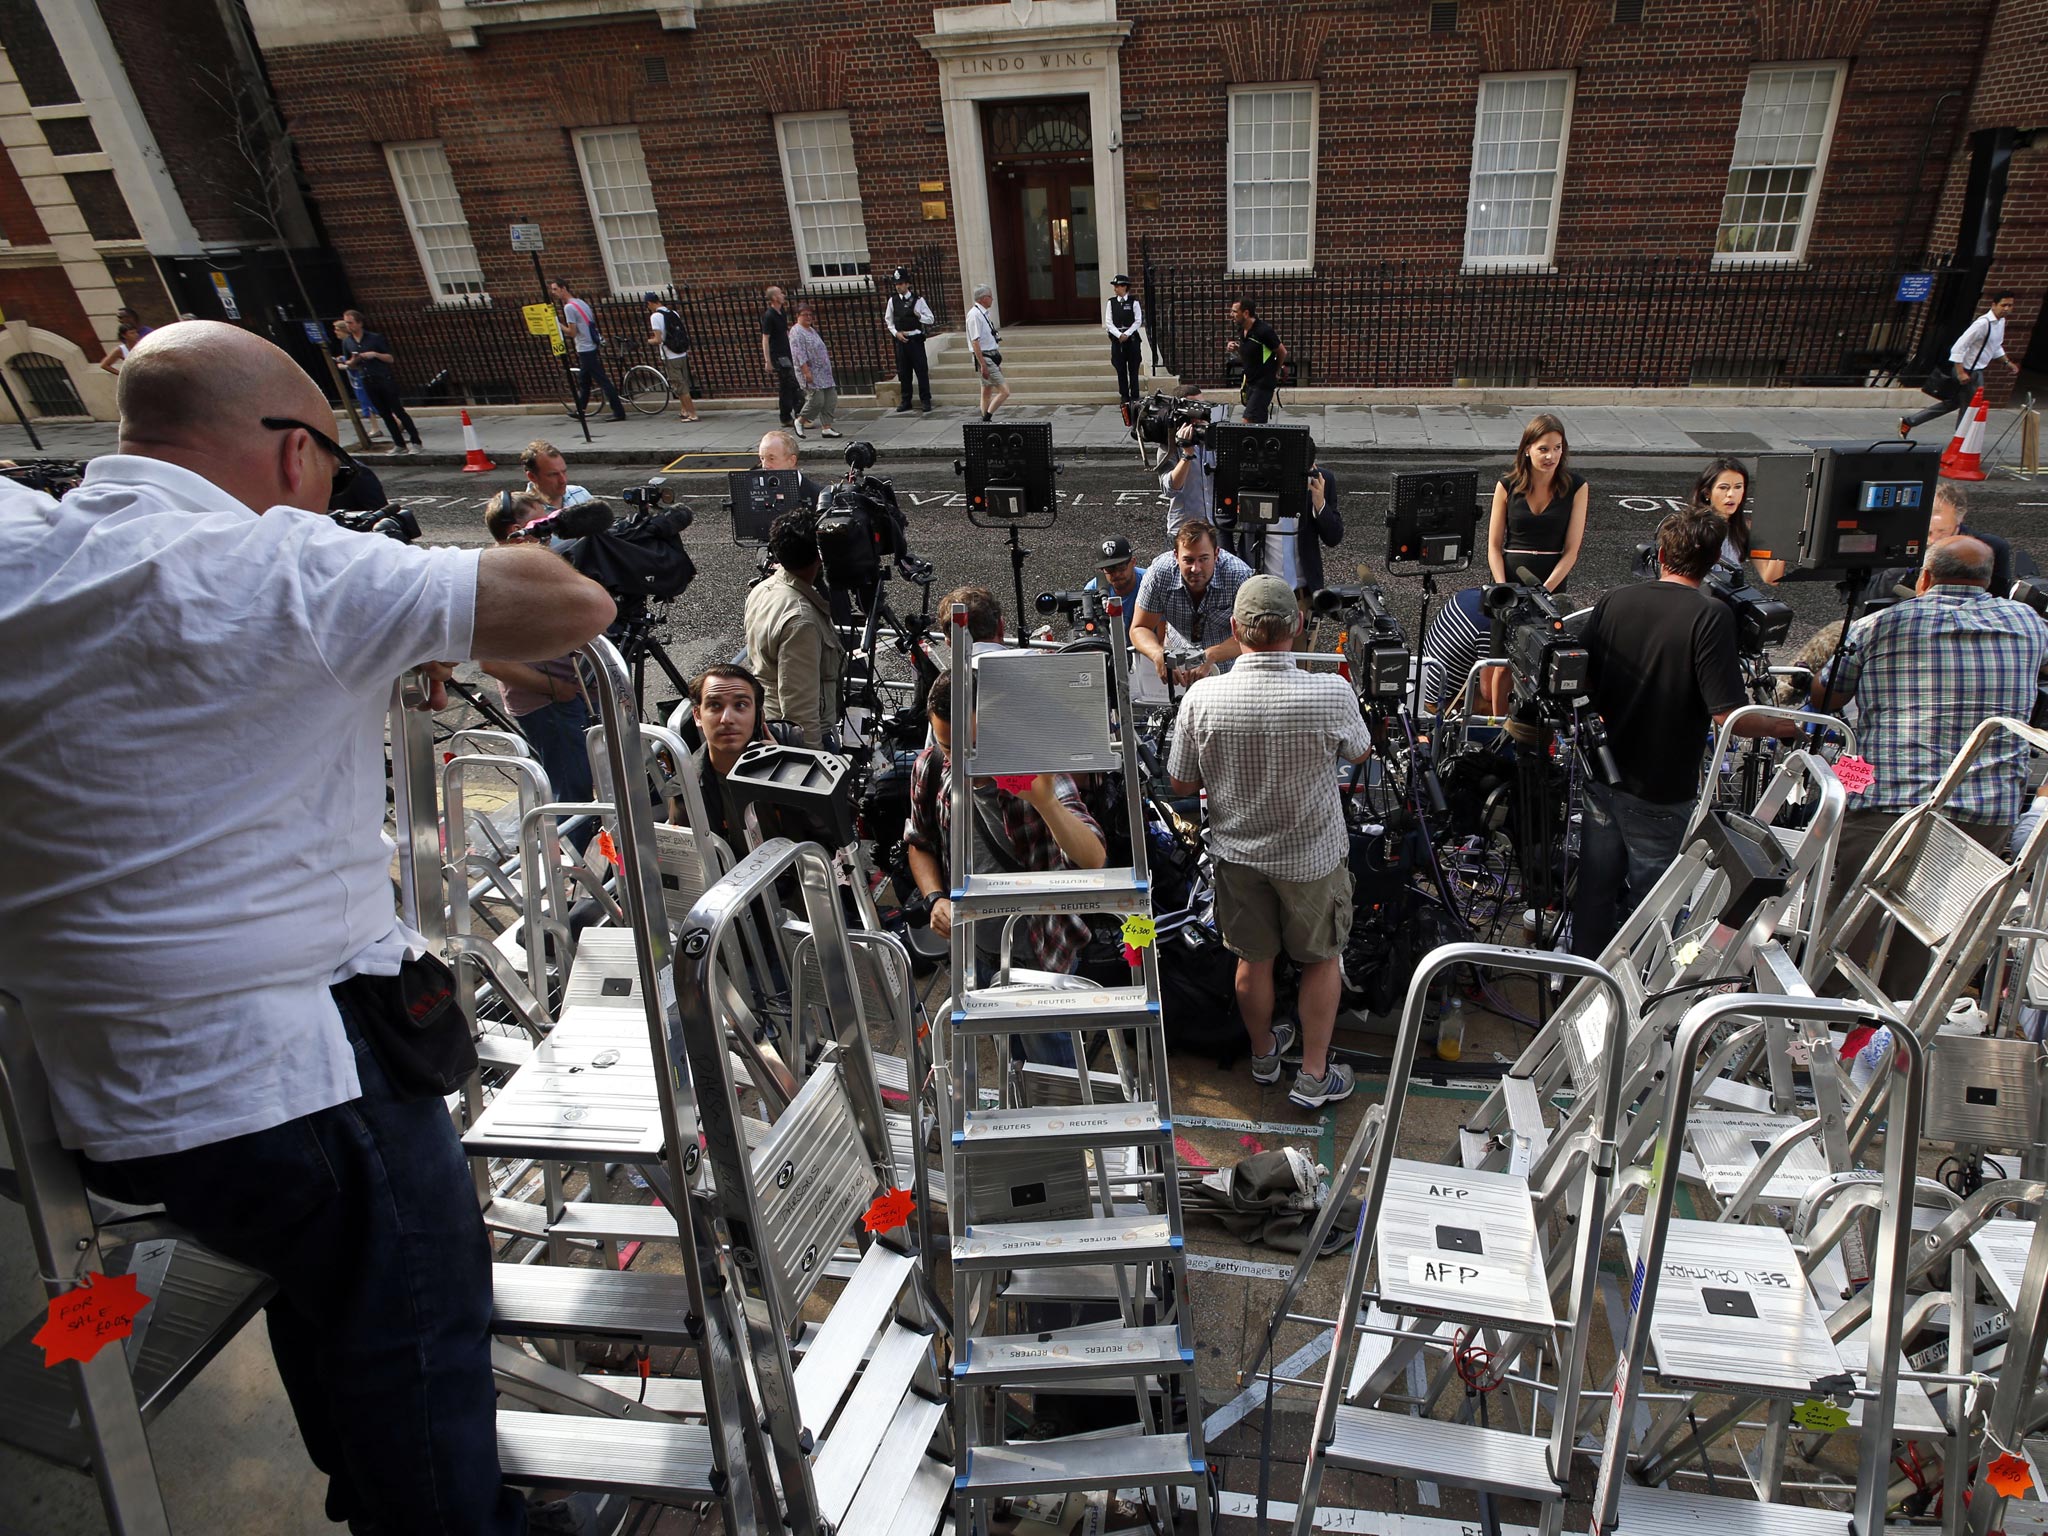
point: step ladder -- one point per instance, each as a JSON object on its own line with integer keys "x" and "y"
{"x": 1725, "y": 1309}
{"x": 1021, "y": 1201}
{"x": 91, "y": 1415}
{"x": 1709, "y": 918}
{"x": 856, "y": 1426}
{"x": 619, "y": 1018}
{"x": 1447, "y": 1256}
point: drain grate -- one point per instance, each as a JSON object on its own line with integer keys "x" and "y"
{"x": 1730, "y": 442}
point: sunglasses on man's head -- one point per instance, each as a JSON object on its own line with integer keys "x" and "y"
{"x": 345, "y": 466}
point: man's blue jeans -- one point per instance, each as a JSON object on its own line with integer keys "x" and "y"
{"x": 366, "y": 1217}
{"x": 556, "y": 734}
{"x": 1625, "y": 845}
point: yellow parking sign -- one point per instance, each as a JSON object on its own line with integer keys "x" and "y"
{"x": 541, "y": 320}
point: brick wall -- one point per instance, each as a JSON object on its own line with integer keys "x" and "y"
{"x": 20, "y": 224}
{"x": 1654, "y": 115}
{"x": 44, "y": 297}
{"x": 182, "y": 69}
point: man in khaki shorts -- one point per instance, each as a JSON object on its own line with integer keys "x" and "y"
{"x": 1264, "y": 739}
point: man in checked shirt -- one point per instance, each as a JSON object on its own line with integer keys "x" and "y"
{"x": 1265, "y": 739}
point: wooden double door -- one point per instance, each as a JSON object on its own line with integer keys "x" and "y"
{"x": 1042, "y": 211}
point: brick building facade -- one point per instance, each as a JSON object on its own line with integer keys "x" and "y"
{"x": 1043, "y": 145}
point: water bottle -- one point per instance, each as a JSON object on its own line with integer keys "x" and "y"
{"x": 1450, "y": 1030}
{"x": 1874, "y": 1051}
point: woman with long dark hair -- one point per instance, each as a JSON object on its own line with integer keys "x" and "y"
{"x": 1539, "y": 509}
{"x": 1723, "y": 489}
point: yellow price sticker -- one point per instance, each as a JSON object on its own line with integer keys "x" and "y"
{"x": 1820, "y": 1416}
{"x": 1139, "y": 931}
{"x": 1686, "y": 953}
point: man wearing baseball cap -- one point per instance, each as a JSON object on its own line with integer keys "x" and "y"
{"x": 1264, "y": 739}
{"x": 1118, "y": 572}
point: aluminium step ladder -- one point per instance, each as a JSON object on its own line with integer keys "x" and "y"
{"x": 856, "y": 1427}
{"x": 1025, "y": 713}
{"x": 1451, "y": 1248}
{"x": 1745, "y": 1323}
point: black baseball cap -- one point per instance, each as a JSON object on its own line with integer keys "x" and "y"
{"x": 650, "y": 298}
{"x": 1114, "y": 550}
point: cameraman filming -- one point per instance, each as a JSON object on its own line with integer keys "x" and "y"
{"x": 791, "y": 639}
{"x": 1189, "y": 480}
{"x": 1663, "y": 662}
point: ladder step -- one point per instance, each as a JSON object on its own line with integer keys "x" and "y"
{"x": 682, "y": 1396}
{"x": 869, "y": 1417}
{"x": 496, "y": 1050}
{"x": 1030, "y": 892}
{"x": 1525, "y": 1117}
{"x": 1661, "y": 1512}
{"x": 201, "y": 1301}
{"x": 646, "y": 1458}
{"x": 626, "y": 1223}
{"x": 1462, "y": 1244}
{"x": 905, "y": 1490}
{"x": 1137, "y": 1239}
{"x": 1436, "y": 1450}
{"x": 827, "y": 1367}
{"x": 1063, "y": 1126}
{"x": 1073, "y": 1282}
{"x": 1071, "y": 1354}
{"x": 1048, "y": 1084}
{"x": 549, "y": 1301}
{"x": 1031, "y": 1010}
{"x": 1074, "y": 1465}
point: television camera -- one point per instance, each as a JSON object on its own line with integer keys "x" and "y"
{"x": 1549, "y": 665}
{"x": 1085, "y": 615}
{"x": 1157, "y": 420}
{"x": 1374, "y": 647}
{"x": 394, "y": 522}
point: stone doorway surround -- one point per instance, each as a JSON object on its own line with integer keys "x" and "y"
{"x": 1028, "y": 48}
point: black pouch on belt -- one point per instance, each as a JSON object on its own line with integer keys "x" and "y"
{"x": 414, "y": 1025}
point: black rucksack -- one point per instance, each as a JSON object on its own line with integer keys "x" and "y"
{"x": 674, "y": 334}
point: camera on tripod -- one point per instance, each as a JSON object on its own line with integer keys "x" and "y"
{"x": 1374, "y": 647}
{"x": 860, "y": 527}
{"x": 1549, "y": 665}
{"x": 394, "y": 522}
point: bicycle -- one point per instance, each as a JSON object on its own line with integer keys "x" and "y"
{"x": 644, "y": 387}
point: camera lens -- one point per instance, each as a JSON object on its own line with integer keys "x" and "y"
{"x": 1048, "y": 602}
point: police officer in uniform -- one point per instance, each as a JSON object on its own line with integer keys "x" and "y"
{"x": 1122, "y": 317}
{"x": 908, "y": 316}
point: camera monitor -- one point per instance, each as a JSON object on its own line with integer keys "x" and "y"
{"x": 1843, "y": 507}
{"x": 759, "y": 496}
{"x": 1009, "y": 473}
{"x": 1261, "y": 473}
{"x": 1435, "y": 518}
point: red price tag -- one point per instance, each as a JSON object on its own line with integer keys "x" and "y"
{"x": 2009, "y": 1476}
{"x": 84, "y": 1321}
{"x": 610, "y": 850}
{"x": 1014, "y": 783}
{"x": 1856, "y": 774}
{"x": 890, "y": 1210}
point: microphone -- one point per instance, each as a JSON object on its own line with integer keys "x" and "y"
{"x": 1527, "y": 577}
{"x": 577, "y": 522}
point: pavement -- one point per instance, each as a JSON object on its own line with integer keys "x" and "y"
{"x": 1483, "y": 427}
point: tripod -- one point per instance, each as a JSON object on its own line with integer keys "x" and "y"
{"x": 871, "y": 609}
{"x": 634, "y": 634}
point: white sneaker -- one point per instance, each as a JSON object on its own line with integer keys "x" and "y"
{"x": 833, "y": 432}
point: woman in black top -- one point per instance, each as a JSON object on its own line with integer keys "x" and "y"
{"x": 1539, "y": 509}
{"x": 1723, "y": 489}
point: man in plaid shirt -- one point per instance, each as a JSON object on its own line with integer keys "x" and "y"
{"x": 1045, "y": 827}
{"x": 1264, "y": 739}
{"x": 1932, "y": 670}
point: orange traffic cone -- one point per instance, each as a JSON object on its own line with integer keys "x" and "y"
{"x": 474, "y": 462}
{"x": 1964, "y": 458}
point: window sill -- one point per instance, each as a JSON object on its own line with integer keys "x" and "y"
{"x": 1273, "y": 269}
{"x": 856, "y": 284}
{"x": 464, "y": 20}
{"x": 1509, "y": 268}
{"x": 1724, "y": 259}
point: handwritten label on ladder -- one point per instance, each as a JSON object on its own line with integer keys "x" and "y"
{"x": 1456, "y": 1272}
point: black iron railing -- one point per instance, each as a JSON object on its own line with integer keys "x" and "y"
{"x": 1619, "y": 323}
{"x": 482, "y": 354}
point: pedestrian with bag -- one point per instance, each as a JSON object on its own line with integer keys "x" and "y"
{"x": 814, "y": 370}
{"x": 670, "y": 339}
{"x": 580, "y": 320}
{"x": 781, "y": 365}
{"x": 1981, "y": 344}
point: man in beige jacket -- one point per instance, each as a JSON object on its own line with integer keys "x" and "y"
{"x": 791, "y": 641}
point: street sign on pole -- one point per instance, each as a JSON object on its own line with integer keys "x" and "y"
{"x": 526, "y": 237}
{"x": 227, "y": 296}
{"x": 1915, "y": 287}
